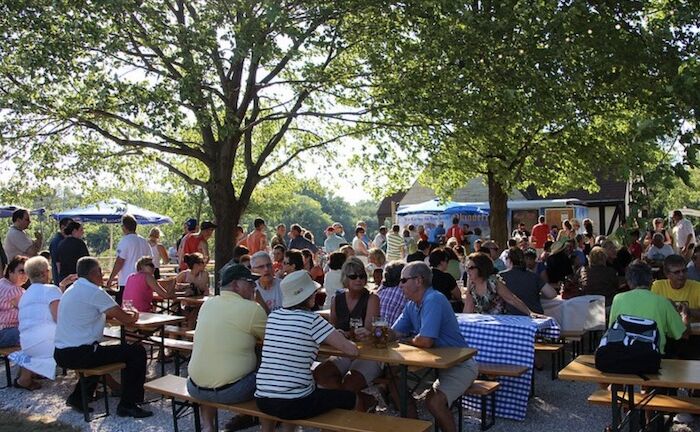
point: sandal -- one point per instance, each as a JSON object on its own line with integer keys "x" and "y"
{"x": 31, "y": 387}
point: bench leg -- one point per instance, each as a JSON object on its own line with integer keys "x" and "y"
{"x": 8, "y": 371}
{"x": 197, "y": 422}
{"x": 104, "y": 390}
{"x": 84, "y": 397}
{"x": 460, "y": 413}
{"x": 177, "y": 362}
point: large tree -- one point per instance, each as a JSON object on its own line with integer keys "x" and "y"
{"x": 544, "y": 93}
{"x": 223, "y": 93}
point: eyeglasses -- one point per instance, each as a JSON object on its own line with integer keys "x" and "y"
{"x": 264, "y": 265}
{"x": 406, "y": 279}
{"x": 679, "y": 271}
{"x": 354, "y": 276}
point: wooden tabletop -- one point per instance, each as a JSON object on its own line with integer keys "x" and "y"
{"x": 409, "y": 355}
{"x": 193, "y": 301}
{"x": 673, "y": 373}
{"x": 695, "y": 329}
{"x": 148, "y": 319}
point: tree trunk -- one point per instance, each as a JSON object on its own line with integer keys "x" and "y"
{"x": 498, "y": 215}
{"x": 227, "y": 212}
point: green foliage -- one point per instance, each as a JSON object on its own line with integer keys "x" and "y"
{"x": 529, "y": 93}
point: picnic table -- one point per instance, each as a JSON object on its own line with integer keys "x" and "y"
{"x": 510, "y": 340}
{"x": 673, "y": 374}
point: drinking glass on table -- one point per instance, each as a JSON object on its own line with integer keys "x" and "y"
{"x": 355, "y": 323}
{"x": 380, "y": 332}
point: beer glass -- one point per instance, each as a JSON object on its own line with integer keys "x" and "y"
{"x": 380, "y": 332}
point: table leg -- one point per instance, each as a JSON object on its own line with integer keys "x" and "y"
{"x": 162, "y": 350}
{"x": 403, "y": 390}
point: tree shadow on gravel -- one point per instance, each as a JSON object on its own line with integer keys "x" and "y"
{"x": 11, "y": 421}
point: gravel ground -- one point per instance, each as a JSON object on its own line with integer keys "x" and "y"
{"x": 557, "y": 406}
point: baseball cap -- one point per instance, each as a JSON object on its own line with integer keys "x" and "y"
{"x": 191, "y": 224}
{"x": 234, "y": 272}
{"x": 206, "y": 225}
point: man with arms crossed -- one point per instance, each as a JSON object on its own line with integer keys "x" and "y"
{"x": 429, "y": 321}
{"x": 17, "y": 242}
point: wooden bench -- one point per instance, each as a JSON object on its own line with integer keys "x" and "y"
{"x": 175, "y": 388}
{"x": 575, "y": 337}
{"x": 99, "y": 371}
{"x": 173, "y": 330}
{"x": 557, "y": 355}
{"x": 483, "y": 389}
{"x": 664, "y": 403}
{"x": 4, "y": 353}
{"x": 181, "y": 348}
{"x": 494, "y": 370}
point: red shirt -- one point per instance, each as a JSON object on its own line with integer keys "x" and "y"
{"x": 191, "y": 246}
{"x": 539, "y": 235}
{"x": 636, "y": 250}
{"x": 456, "y": 232}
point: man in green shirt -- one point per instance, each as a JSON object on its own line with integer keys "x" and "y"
{"x": 643, "y": 303}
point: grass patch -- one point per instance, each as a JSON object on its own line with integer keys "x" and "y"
{"x": 11, "y": 421}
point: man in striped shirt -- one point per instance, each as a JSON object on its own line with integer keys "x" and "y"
{"x": 395, "y": 245}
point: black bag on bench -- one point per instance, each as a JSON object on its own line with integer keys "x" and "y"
{"x": 630, "y": 345}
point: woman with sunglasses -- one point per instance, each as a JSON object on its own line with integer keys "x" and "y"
{"x": 360, "y": 306}
{"x": 10, "y": 293}
{"x": 487, "y": 293}
{"x": 141, "y": 285}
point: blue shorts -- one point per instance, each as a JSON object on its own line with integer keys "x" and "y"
{"x": 241, "y": 391}
{"x": 9, "y": 337}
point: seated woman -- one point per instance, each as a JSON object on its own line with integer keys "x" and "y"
{"x": 391, "y": 296}
{"x": 285, "y": 386}
{"x": 11, "y": 293}
{"x": 486, "y": 292}
{"x": 195, "y": 282}
{"x": 333, "y": 279}
{"x": 141, "y": 285}
{"x": 38, "y": 309}
{"x": 357, "y": 303}
{"x": 598, "y": 278}
{"x": 375, "y": 267}
{"x": 310, "y": 266}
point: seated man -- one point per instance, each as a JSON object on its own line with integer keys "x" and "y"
{"x": 643, "y": 303}
{"x": 678, "y": 288}
{"x": 81, "y": 320}
{"x": 658, "y": 250}
{"x": 223, "y": 362}
{"x": 430, "y": 322}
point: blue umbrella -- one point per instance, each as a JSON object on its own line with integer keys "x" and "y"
{"x": 6, "y": 211}
{"x": 466, "y": 209}
{"x": 111, "y": 212}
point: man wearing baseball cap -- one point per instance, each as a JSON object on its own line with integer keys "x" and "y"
{"x": 196, "y": 243}
{"x": 223, "y": 363}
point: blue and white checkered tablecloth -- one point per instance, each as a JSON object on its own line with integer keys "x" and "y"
{"x": 506, "y": 339}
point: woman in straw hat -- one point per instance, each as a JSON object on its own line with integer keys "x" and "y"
{"x": 285, "y": 386}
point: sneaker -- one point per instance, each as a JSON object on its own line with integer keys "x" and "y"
{"x": 132, "y": 411}
{"x": 684, "y": 418}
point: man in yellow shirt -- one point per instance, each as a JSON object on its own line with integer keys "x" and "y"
{"x": 223, "y": 363}
{"x": 678, "y": 288}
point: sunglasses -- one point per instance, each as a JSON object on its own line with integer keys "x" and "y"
{"x": 354, "y": 276}
{"x": 406, "y": 279}
{"x": 471, "y": 268}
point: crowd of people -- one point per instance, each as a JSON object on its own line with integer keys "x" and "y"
{"x": 54, "y": 305}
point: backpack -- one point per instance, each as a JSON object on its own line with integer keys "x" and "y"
{"x": 630, "y": 346}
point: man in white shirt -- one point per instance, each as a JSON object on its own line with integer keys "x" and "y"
{"x": 17, "y": 242}
{"x": 658, "y": 250}
{"x": 683, "y": 235}
{"x": 82, "y": 312}
{"x": 131, "y": 248}
{"x": 380, "y": 238}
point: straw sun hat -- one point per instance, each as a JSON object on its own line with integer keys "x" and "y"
{"x": 297, "y": 287}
